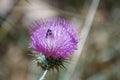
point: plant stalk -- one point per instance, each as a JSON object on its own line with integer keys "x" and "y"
{"x": 44, "y": 74}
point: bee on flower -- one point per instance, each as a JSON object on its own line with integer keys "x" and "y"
{"x": 53, "y": 39}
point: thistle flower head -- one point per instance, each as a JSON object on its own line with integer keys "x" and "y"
{"x": 55, "y": 38}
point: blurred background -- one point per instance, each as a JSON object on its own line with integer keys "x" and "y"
{"x": 100, "y": 58}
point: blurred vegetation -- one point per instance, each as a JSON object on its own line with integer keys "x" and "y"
{"x": 100, "y": 58}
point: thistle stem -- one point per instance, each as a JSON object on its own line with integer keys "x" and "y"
{"x": 44, "y": 74}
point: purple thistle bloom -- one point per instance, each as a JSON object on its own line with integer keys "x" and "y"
{"x": 53, "y": 37}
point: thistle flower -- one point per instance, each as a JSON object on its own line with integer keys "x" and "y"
{"x": 54, "y": 39}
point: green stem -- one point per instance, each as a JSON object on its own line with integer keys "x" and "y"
{"x": 43, "y": 76}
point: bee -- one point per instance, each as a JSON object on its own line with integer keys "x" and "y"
{"x": 49, "y": 32}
